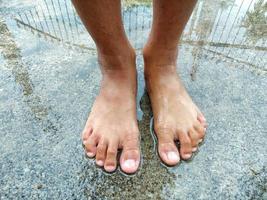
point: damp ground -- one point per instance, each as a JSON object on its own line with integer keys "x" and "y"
{"x": 49, "y": 78}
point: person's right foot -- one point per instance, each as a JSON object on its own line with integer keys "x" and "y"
{"x": 112, "y": 124}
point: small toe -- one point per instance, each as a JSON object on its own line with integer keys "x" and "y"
{"x": 87, "y": 131}
{"x": 201, "y": 118}
{"x": 111, "y": 158}
{"x": 194, "y": 149}
{"x": 90, "y": 145}
{"x": 185, "y": 146}
{"x": 130, "y": 157}
{"x": 101, "y": 153}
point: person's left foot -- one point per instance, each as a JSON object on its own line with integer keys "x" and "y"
{"x": 176, "y": 117}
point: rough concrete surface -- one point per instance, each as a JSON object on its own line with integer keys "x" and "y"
{"x": 48, "y": 83}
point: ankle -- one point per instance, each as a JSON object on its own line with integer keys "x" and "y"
{"x": 119, "y": 67}
{"x": 157, "y": 56}
{"x": 119, "y": 83}
{"x": 117, "y": 60}
{"x": 161, "y": 62}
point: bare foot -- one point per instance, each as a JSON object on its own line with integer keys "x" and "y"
{"x": 176, "y": 117}
{"x": 112, "y": 123}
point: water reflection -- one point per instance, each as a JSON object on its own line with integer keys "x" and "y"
{"x": 234, "y": 30}
{"x": 12, "y": 54}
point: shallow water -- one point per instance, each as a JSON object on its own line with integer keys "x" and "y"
{"x": 49, "y": 79}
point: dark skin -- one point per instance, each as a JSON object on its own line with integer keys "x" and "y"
{"x": 112, "y": 123}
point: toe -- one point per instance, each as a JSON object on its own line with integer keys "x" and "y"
{"x": 87, "y": 131}
{"x": 185, "y": 145}
{"x": 101, "y": 153}
{"x": 195, "y": 137}
{"x": 90, "y": 145}
{"x": 130, "y": 157}
{"x": 167, "y": 149}
{"x": 201, "y": 118}
{"x": 200, "y": 130}
{"x": 111, "y": 158}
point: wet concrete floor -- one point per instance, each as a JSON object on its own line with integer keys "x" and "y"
{"x": 49, "y": 79}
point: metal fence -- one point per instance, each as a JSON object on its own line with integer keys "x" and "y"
{"x": 234, "y": 30}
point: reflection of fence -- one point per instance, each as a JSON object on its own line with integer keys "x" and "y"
{"x": 12, "y": 55}
{"x": 215, "y": 28}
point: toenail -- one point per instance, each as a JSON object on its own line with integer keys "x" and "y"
{"x": 194, "y": 149}
{"x": 173, "y": 156}
{"x": 201, "y": 140}
{"x": 187, "y": 156}
{"x": 90, "y": 154}
{"x": 110, "y": 168}
{"x": 99, "y": 162}
{"x": 204, "y": 119}
{"x": 129, "y": 163}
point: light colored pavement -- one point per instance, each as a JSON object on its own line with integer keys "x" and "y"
{"x": 49, "y": 79}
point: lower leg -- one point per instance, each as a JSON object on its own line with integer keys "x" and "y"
{"x": 169, "y": 20}
{"x": 112, "y": 123}
{"x": 176, "y": 117}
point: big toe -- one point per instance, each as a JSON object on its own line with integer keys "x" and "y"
{"x": 130, "y": 157}
{"x": 167, "y": 149}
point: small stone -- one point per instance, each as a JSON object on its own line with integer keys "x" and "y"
{"x": 39, "y": 186}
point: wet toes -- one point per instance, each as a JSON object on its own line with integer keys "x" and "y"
{"x": 185, "y": 146}
{"x": 168, "y": 153}
{"x": 200, "y": 130}
{"x": 130, "y": 157}
{"x": 90, "y": 145}
{"x": 101, "y": 153}
{"x": 130, "y": 160}
{"x": 194, "y": 136}
{"x": 111, "y": 157}
{"x": 167, "y": 149}
{"x": 86, "y": 133}
{"x": 201, "y": 118}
